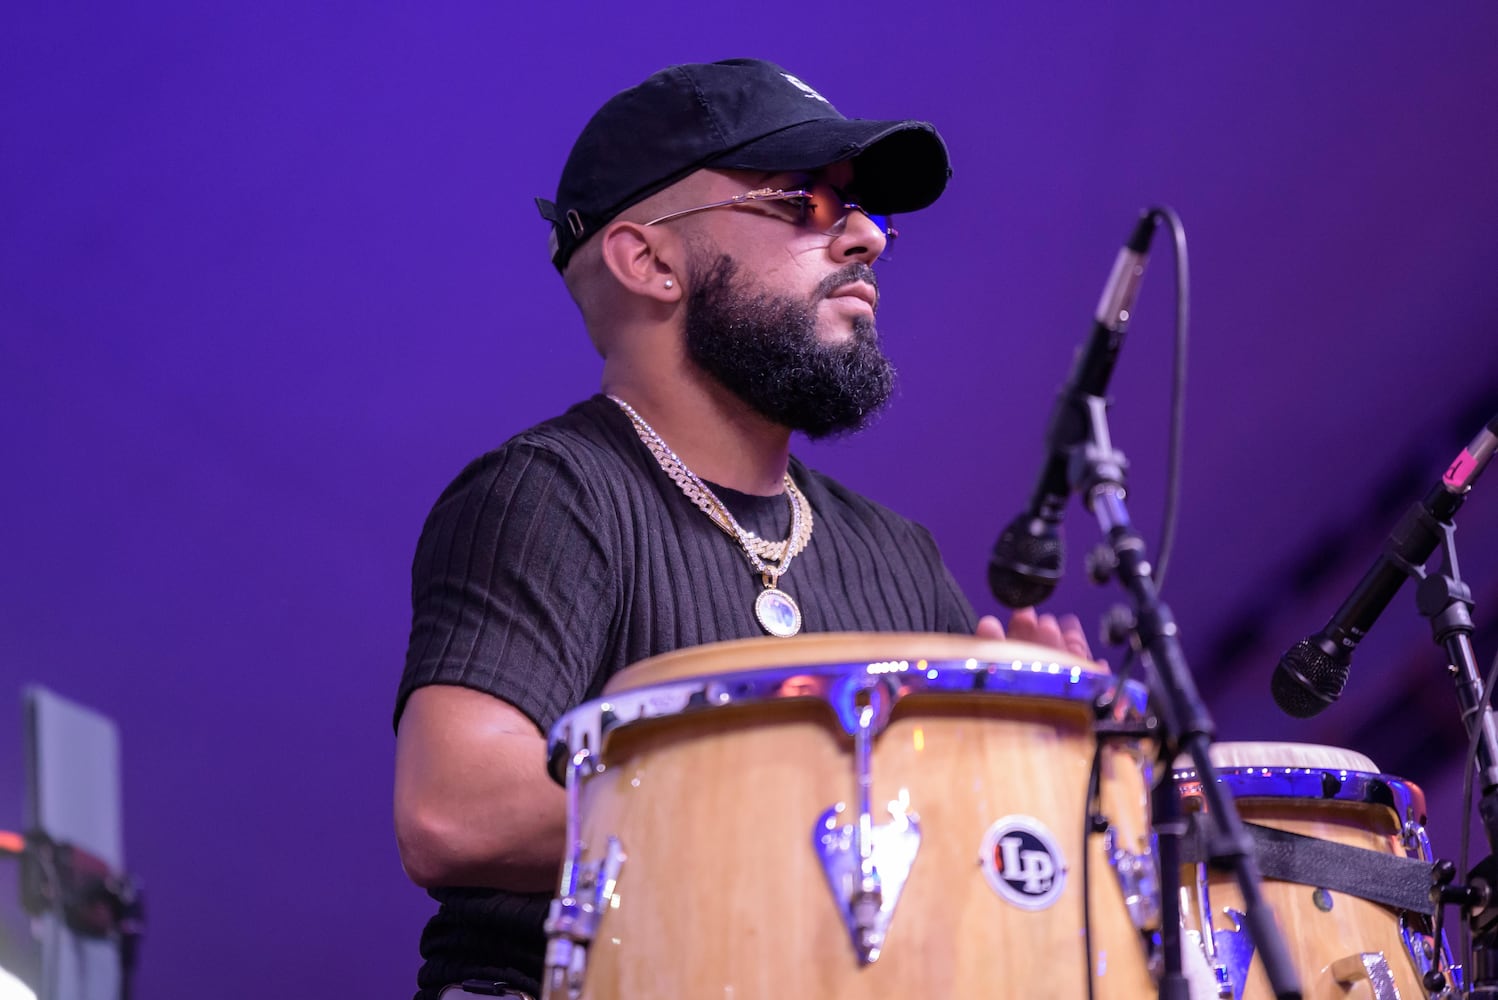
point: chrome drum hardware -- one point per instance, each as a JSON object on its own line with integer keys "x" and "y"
{"x": 867, "y": 865}
{"x": 1369, "y": 965}
{"x": 586, "y": 892}
{"x": 866, "y": 868}
{"x": 1139, "y": 879}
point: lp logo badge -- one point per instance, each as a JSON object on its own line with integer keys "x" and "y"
{"x": 1022, "y": 862}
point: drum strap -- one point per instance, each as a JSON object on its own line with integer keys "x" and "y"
{"x": 1402, "y": 883}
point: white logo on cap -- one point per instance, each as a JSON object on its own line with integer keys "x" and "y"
{"x": 808, "y": 91}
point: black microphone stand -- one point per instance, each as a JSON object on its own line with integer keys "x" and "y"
{"x": 1097, "y": 472}
{"x": 1447, "y": 603}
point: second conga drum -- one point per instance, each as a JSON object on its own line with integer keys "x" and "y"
{"x": 841, "y": 816}
{"x": 1342, "y": 945}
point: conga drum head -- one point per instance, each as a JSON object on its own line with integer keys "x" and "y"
{"x": 1260, "y": 755}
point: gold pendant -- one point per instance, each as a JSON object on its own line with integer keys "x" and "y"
{"x": 777, "y": 612}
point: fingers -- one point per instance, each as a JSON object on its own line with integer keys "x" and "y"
{"x": 1074, "y": 637}
{"x": 1027, "y": 625}
{"x": 989, "y": 627}
{"x": 1043, "y": 630}
{"x": 1064, "y": 633}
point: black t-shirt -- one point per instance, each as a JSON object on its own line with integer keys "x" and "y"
{"x": 555, "y": 561}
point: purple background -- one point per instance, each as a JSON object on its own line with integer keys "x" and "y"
{"x": 270, "y": 275}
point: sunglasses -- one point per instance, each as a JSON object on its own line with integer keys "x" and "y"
{"x": 811, "y": 212}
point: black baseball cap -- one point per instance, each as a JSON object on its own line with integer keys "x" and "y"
{"x": 738, "y": 114}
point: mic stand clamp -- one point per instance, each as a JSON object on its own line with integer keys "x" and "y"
{"x": 1097, "y": 472}
{"x": 1444, "y": 892}
{"x": 1446, "y": 602}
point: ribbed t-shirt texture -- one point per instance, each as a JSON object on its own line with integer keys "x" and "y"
{"x": 565, "y": 555}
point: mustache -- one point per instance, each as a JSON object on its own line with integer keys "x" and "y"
{"x": 856, "y": 271}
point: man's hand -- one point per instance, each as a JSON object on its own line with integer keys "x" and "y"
{"x": 1064, "y": 633}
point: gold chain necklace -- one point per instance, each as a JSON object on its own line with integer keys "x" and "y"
{"x": 777, "y": 611}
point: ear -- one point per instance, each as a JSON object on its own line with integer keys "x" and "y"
{"x": 644, "y": 260}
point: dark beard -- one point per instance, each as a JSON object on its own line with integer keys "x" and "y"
{"x": 765, "y": 350}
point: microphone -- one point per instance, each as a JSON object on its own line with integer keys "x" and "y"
{"x": 1312, "y": 674}
{"x": 1026, "y": 562}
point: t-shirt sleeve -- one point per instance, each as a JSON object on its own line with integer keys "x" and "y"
{"x": 511, "y": 588}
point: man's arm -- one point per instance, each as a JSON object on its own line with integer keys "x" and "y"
{"x": 474, "y": 805}
{"x": 513, "y": 594}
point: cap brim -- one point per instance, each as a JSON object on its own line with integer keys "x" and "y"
{"x": 897, "y": 166}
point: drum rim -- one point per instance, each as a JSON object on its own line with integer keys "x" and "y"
{"x": 765, "y": 652}
{"x": 1057, "y": 678}
{"x": 1324, "y": 784}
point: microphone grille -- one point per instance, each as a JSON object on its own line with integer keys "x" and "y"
{"x": 1308, "y": 679}
{"x": 1026, "y": 563}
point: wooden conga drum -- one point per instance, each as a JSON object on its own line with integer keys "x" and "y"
{"x": 848, "y": 816}
{"x": 1343, "y": 946}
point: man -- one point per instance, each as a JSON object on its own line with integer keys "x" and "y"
{"x": 717, "y": 226}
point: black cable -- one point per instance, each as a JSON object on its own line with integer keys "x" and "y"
{"x": 1177, "y": 393}
{"x": 1093, "y": 798}
{"x": 1120, "y": 679}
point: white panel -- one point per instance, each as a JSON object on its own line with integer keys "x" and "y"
{"x": 74, "y": 757}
